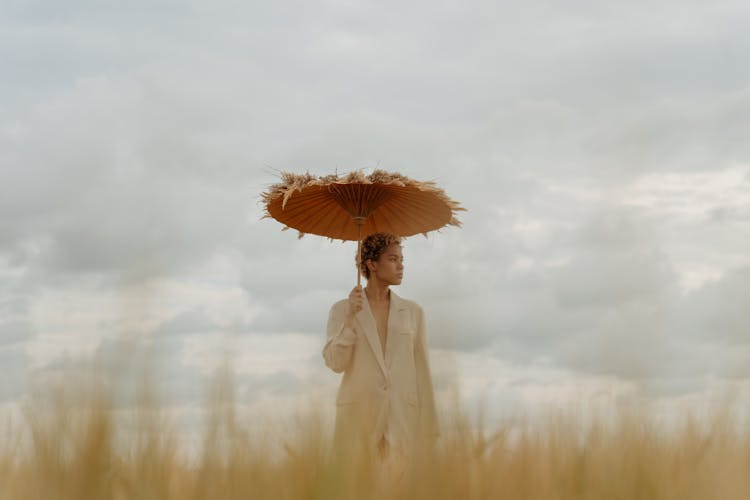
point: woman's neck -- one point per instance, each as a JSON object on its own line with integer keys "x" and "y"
{"x": 377, "y": 291}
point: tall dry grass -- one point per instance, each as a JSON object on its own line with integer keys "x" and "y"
{"x": 75, "y": 444}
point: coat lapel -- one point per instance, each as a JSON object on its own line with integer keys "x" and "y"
{"x": 367, "y": 321}
{"x": 394, "y": 322}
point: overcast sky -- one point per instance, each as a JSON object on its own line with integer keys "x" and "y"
{"x": 601, "y": 148}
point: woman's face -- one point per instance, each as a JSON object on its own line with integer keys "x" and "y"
{"x": 389, "y": 268}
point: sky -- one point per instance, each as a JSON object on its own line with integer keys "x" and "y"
{"x": 600, "y": 148}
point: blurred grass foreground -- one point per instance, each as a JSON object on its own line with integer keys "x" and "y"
{"x": 73, "y": 441}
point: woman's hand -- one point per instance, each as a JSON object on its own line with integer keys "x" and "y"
{"x": 355, "y": 303}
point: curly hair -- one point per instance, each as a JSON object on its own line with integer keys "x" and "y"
{"x": 373, "y": 247}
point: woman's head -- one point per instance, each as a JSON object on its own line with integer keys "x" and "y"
{"x": 381, "y": 254}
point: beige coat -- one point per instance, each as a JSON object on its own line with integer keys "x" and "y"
{"x": 381, "y": 395}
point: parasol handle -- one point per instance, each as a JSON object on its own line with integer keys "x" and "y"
{"x": 359, "y": 221}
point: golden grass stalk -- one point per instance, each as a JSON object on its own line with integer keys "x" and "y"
{"x": 75, "y": 444}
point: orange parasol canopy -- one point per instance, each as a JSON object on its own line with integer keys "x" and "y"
{"x": 356, "y": 205}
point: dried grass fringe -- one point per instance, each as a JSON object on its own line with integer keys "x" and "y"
{"x": 291, "y": 183}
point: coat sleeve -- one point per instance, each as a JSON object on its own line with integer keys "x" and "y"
{"x": 428, "y": 422}
{"x": 339, "y": 345}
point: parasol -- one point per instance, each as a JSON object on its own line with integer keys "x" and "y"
{"x": 356, "y": 205}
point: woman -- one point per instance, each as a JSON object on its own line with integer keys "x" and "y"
{"x": 377, "y": 340}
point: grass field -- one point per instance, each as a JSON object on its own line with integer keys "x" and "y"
{"x": 75, "y": 445}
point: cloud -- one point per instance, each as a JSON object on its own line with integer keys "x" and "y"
{"x": 610, "y": 305}
{"x": 131, "y": 367}
{"x": 14, "y": 380}
{"x": 282, "y": 383}
{"x": 186, "y": 322}
{"x": 600, "y": 151}
{"x": 13, "y": 332}
{"x": 717, "y": 312}
{"x": 615, "y": 261}
{"x": 105, "y": 203}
